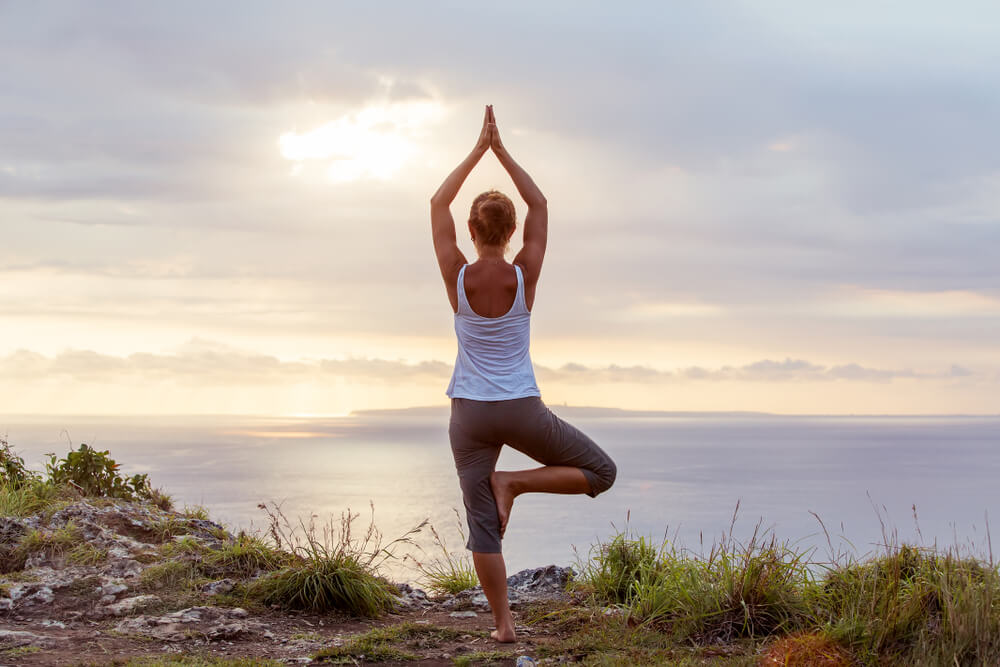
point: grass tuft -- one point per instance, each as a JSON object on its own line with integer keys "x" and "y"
{"x": 169, "y": 575}
{"x": 448, "y": 574}
{"x": 331, "y": 570}
{"x": 243, "y": 557}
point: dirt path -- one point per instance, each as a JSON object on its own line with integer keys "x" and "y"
{"x": 288, "y": 637}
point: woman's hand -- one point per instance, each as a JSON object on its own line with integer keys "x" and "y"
{"x": 485, "y": 135}
{"x": 495, "y": 142}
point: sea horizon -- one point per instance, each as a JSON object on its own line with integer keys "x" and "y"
{"x": 681, "y": 474}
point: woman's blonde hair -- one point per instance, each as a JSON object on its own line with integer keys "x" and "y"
{"x": 492, "y": 218}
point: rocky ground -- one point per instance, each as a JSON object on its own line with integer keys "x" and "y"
{"x": 89, "y": 602}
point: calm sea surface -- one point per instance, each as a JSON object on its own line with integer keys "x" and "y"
{"x": 679, "y": 475}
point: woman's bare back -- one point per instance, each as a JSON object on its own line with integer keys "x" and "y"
{"x": 490, "y": 287}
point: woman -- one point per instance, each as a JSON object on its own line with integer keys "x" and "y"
{"x": 494, "y": 398}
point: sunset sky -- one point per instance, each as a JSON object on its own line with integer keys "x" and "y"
{"x": 788, "y": 207}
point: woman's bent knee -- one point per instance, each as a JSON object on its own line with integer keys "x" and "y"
{"x": 602, "y": 476}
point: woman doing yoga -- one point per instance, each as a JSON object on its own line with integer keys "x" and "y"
{"x": 494, "y": 397}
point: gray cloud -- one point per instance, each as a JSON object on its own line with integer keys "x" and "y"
{"x": 204, "y": 362}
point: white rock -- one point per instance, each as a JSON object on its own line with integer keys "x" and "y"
{"x": 43, "y": 595}
{"x": 129, "y": 605}
{"x": 464, "y": 614}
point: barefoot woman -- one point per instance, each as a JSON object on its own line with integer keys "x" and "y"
{"x": 494, "y": 398}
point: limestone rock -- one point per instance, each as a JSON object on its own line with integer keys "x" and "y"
{"x": 540, "y": 583}
{"x": 412, "y": 598}
{"x": 213, "y": 623}
{"x": 129, "y": 605}
{"x": 217, "y": 587}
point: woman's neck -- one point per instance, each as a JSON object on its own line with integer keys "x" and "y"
{"x": 491, "y": 255}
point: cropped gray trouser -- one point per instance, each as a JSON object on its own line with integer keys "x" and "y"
{"x": 478, "y": 430}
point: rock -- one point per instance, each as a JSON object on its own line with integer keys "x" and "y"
{"x": 525, "y": 661}
{"x": 12, "y": 530}
{"x": 111, "y": 589}
{"x": 550, "y": 579}
{"x": 43, "y": 595}
{"x": 217, "y": 587}
{"x": 6, "y": 604}
{"x": 49, "y": 623}
{"x": 124, "y": 568}
{"x": 412, "y": 598}
{"x": 128, "y": 605}
{"x": 464, "y": 614}
{"x": 15, "y": 638}
{"x": 213, "y": 623}
{"x": 539, "y": 583}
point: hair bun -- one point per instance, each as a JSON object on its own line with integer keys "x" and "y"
{"x": 493, "y": 218}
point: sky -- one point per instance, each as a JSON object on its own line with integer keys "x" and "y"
{"x": 218, "y": 208}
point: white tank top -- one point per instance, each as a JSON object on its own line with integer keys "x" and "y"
{"x": 493, "y": 363}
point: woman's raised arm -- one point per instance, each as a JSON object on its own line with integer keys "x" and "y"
{"x": 536, "y": 222}
{"x": 450, "y": 258}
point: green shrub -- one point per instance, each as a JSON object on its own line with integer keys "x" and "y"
{"x": 96, "y": 474}
{"x": 13, "y": 473}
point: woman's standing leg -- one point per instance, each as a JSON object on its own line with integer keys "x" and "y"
{"x": 476, "y": 452}
{"x": 492, "y": 572}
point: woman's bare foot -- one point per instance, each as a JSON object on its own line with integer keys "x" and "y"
{"x": 503, "y": 495}
{"x": 505, "y": 637}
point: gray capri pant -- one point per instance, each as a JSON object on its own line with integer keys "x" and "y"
{"x": 478, "y": 430}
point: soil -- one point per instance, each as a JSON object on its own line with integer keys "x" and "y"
{"x": 295, "y": 636}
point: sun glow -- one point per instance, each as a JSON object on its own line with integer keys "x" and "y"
{"x": 373, "y": 143}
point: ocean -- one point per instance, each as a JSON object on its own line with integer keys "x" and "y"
{"x": 689, "y": 478}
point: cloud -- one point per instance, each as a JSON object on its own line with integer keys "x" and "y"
{"x": 207, "y": 362}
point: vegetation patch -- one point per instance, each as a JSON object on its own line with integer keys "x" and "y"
{"x": 806, "y": 649}
{"x": 448, "y": 573}
{"x": 484, "y": 658}
{"x": 53, "y": 543}
{"x": 243, "y": 557}
{"x": 381, "y": 644}
{"x": 170, "y": 575}
{"x": 95, "y": 473}
{"x": 914, "y": 603}
{"x": 331, "y": 569}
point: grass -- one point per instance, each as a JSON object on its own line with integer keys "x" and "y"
{"x": 53, "y": 543}
{"x": 169, "y": 575}
{"x": 86, "y": 553}
{"x": 484, "y": 658}
{"x": 168, "y": 527}
{"x": 447, "y": 574}
{"x": 331, "y": 569}
{"x": 185, "y": 546}
{"x": 195, "y": 512}
{"x": 904, "y": 605}
{"x": 381, "y": 644}
{"x": 243, "y": 557}
{"x": 34, "y": 497}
